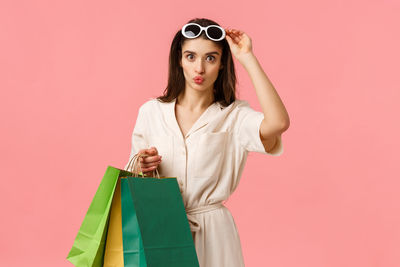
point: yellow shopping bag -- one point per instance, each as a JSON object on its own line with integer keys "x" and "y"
{"x": 114, "y": 253}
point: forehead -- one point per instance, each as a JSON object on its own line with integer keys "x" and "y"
{"x": 200, "y": 46}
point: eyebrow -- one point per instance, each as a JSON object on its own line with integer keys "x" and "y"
{"x": 210, "y": 53}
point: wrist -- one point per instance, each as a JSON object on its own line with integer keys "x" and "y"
{"x": 248, "y": 59}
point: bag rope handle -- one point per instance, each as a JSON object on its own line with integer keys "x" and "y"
{"x": 134, "y": 163}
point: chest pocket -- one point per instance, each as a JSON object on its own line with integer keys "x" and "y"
{"x": 209, "y": 154}
{"x": 164, "y": 145}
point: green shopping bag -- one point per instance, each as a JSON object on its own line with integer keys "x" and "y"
{"x": 155, "y": 227}
{"x": 131, "y": 237}
{"x": 88, "y": 247}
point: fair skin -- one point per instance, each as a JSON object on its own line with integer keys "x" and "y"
{"x": 202, "y": 57}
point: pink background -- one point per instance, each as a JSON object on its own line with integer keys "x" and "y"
{"x": 73, "y": 74}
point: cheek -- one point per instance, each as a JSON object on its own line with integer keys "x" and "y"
{"x": 215, "y": 70}
{"x": 185, "y": 66}
{"x": 184, "y": 69}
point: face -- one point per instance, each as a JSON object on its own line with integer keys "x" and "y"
{"x": 201, "y": 58}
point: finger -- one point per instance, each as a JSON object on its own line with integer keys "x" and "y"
{"x": 149, "y": 169}
{"x": 142, "y": 151}
{"x": 150, "y": 159}
{"x": 152, "y": 151}
{"x": 149, "y": 165}
{"x": 235, "y": 36}
{"x": 229, "y": 38}
{"x": 239, "y": 34}
{"x": 237, "y": 31}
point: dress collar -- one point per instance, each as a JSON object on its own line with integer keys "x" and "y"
{"x": 203, "y": 120}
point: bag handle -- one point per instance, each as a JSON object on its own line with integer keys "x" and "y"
{"x": 135, "y": 163}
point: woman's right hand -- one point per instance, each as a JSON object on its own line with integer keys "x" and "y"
{"x": 150, "y": 161}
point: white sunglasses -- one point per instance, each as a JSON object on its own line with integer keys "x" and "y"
{"x": 213, "y": 32}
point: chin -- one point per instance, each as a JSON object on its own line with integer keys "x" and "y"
{"x": 201, "y": 85}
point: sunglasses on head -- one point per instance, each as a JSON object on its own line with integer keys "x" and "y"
{"x": 213, "y": 32}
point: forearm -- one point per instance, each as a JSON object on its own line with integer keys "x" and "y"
{"x": 274, "y": 110}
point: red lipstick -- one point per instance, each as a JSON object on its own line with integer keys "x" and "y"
{"x": 198, "y": 79}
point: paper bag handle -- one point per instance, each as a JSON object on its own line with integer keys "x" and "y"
{"x": 135, "y": 163}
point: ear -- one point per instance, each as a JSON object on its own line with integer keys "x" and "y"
{"x": 221, "y": 67}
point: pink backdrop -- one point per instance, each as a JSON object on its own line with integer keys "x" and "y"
{"x": 73, "y": 74}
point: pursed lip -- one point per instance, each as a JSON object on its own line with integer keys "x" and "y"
{"x": 198, "y": 79}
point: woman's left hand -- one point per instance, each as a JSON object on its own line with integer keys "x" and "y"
{"x": 239, "y": 43}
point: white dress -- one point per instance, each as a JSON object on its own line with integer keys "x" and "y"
{"x": 208, "y": 163}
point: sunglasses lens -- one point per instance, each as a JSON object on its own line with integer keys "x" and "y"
{"x": 192, "y": 30}
{"x": 214, "y": 32}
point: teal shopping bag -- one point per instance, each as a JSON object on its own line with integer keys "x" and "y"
{"x": 154, "y": 224}
{"x": 131, "y": 236}
{"x": 89, "y": 244}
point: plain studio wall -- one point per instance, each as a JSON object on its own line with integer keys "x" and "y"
{"x": 73, "y": 74}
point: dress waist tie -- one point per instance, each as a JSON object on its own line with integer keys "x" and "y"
{"x": 193, "y": 222}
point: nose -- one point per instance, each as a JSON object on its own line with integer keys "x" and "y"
{"x": 199, "y": 66}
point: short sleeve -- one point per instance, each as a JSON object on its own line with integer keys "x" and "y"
{"x": 138, "y": 135}
{"x": 248, "y": 130}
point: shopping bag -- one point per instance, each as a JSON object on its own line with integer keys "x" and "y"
{"x": 161, "y": 218}
{"x": 155, "y": 227}
{"x": 89, "y": 244}
{"x": 151, "y": 213}
{"x": 114, "y": 253}
{"x": 132, "y": 237}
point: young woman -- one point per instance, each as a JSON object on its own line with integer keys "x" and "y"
{"x": 200, "y": 133}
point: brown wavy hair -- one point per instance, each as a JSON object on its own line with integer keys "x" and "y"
{"x": 224, "y": 86}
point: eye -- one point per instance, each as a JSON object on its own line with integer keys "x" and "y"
{"x": 211, "y": 57}
{"x": 188, "y": 56}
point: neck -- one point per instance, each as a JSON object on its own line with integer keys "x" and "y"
{"x": 194, "y": 100}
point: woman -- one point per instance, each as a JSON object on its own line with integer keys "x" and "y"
{"x": 200, "y": 133}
